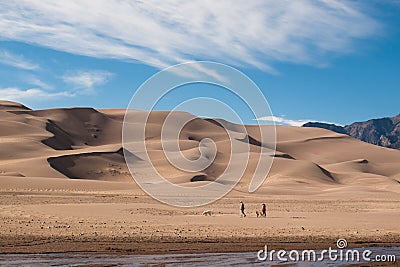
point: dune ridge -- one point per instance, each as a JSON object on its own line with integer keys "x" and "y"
{"x": 85, "y": 144}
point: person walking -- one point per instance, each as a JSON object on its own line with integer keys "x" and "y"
{"x": 264, "y": 210}
{"x": 242, "y": 214}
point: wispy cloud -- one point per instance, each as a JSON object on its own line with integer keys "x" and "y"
{"x": 85, "y": 81}
{"x": 32, "y": 94}
{"x": 160, "y": 33}
{"x": 17, "y": 61}
{"x": 33, "y": 80}
{"x": 285, "y": 121}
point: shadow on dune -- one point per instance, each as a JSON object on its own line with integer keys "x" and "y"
{"x": 93, "y": 166}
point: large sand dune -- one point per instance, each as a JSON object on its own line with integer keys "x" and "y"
{"x": 85, "y": 144}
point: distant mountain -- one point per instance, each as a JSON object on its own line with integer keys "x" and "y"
{"x": 382, "y": 132}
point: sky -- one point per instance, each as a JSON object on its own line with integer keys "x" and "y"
{"x": 330, "y": 61}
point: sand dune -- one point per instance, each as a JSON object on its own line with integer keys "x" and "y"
{"x": 85, "y": 144}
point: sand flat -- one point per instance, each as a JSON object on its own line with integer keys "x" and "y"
{"x": 118, "y": 221}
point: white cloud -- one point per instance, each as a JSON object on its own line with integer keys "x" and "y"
{"x": 285, "y": 121}
{"x": 17, "y": 61}
{"x": 199, "y": 72}
{"x": 17, "y": 94}
{"x": 160, "y": 33}
{"x": 33, "y": 80}
{"x": 84, "y": 81}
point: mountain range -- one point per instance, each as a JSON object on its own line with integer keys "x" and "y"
{"x": 382, "y": 132}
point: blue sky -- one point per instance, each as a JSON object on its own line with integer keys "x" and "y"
{"x": 333, "y": 61}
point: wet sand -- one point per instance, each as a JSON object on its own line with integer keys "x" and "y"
{"x": 202, "y": 259}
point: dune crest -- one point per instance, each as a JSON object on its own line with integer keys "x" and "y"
{"x": 85, "y": 144}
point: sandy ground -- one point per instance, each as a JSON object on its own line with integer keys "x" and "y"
{"x": 127, "y": 221}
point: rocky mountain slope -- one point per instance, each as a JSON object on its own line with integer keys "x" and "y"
{"x": 382, "y": 132}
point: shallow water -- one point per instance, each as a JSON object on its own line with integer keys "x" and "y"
{"x": 200, "y": 259}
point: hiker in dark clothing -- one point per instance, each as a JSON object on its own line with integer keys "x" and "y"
{"x": 242, "y": 214}
{"x": 264, "y": 210}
